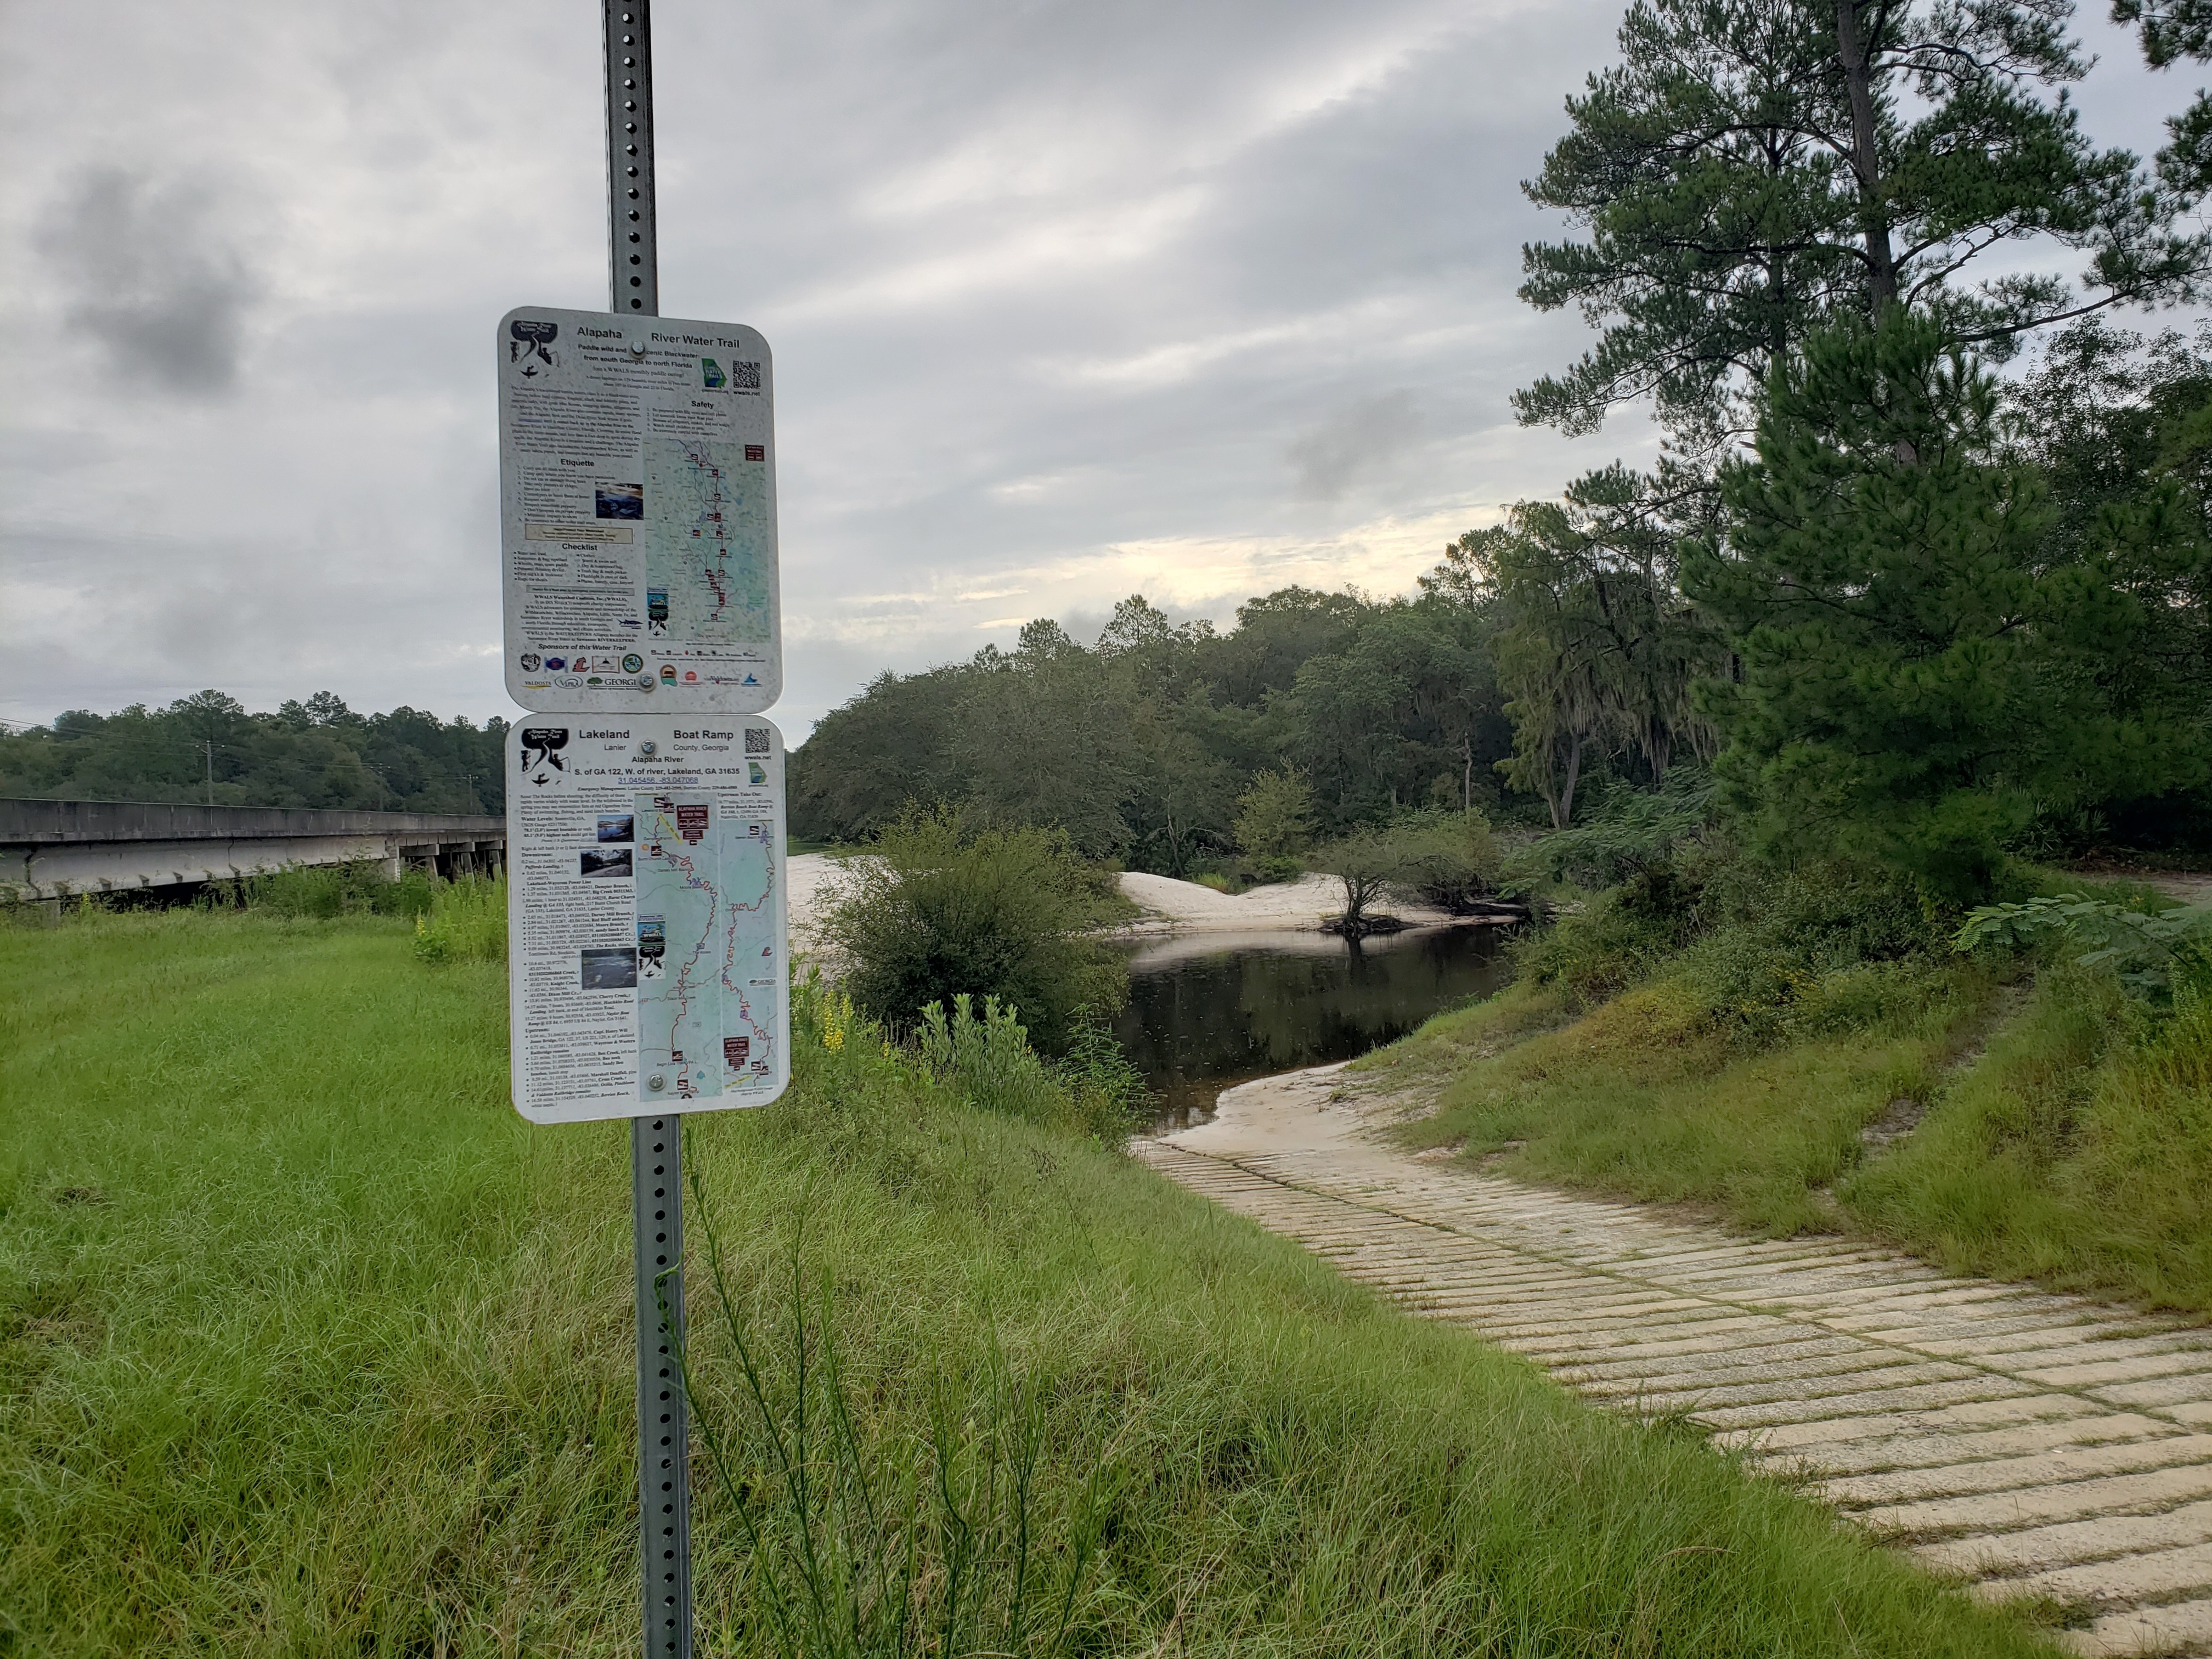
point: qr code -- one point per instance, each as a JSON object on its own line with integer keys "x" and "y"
{"x": 756, "y": 740}
{"x": 746, "y": 376}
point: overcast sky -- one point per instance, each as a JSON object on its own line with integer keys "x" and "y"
{"x": 1068, "y": 301}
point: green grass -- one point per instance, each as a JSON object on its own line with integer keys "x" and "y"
{"x": 2078, "y": 1153}
{"x": 309, "y": 1346}
{"x": 2064, "y": 1133}
{"x": 1649, "y": 1095}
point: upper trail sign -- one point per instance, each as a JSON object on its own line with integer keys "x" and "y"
{"x": 637, "y": 513}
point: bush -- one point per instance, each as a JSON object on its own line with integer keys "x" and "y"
{"x": 1367, "y": 862}
{"x": 2154, "y": 952}
{"x": 364, "y": 887}
{"x": 466, "y": 922}
{"x": 1275, "y": 816}
{"x": 983, "y": 1059}
{"x": 1760, "y": 947}
{"x": 1447, "y": 858}
{"x": 939, "y": 908}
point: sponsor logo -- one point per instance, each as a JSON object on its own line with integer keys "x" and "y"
{"x": 537, "y": 685}
{"x": 633, "y": 664}
{"x": 569, "y": 679}
{"x": 668, "y": 672}
{"x": 690, "y": 677}
{"x": 590, "y": 679}
{"x": 755, "y": 452}
{"x": 556, "y": 663}
{"x": 532, "y": 662}
{"x": 711, "y": 373}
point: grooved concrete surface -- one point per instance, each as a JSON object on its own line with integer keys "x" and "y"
{"x": 2037, "y": 1445}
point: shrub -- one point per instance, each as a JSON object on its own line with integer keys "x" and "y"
{"x": 363, "y": 887}
{"x": 466, "y": 922}
{"x": 1447, "y": 858}
{"x": 2151, "y": 952}
{"x": 939, "y": 908}
{"x": 1367, "y": 862}
{"x": 1275, "y": 816}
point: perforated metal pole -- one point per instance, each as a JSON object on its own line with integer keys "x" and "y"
{"x": 633, "y": 259}
{"x": 656, "y": 1147}
{"x": 656, "y": 1144}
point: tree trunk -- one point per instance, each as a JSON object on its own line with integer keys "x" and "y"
{"x": 1865, "y": 160}
{"x": 1563, "y": 810}
{"x": 1467, "y": 775}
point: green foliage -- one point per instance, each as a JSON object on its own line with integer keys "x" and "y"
{"x": 1633, "y": 832}
{"x": 2145, "y": 949}
{"x": 1447, "y": 858}
{"x": 466, "y": 922}
{"x": 315, "y": 754}
{"x": 2077, "y": 1152}
{"x": 1143, "y": 746}
{"x": 311, "y": 1346}
{"x": 1593, "y": 644}
{"x": 2120, "y": 429}
{"x": 1651, "y": 1096}
{"x": 985, "y": 1059}
{"x": 1914, "y": 677}
{"x": 1735, "y": 204}
{"x": 860, "y": 1545}
{"x": 1274, "y": 815}
{"x": 364, "y": 887}
{"x": 941, "y": 905}
{"x": 1368, "y": 861}
{"x": 1765, "y": 951}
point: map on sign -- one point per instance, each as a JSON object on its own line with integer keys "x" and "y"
{"x": 707, "y": 934}
{"x": 709, "y": 558}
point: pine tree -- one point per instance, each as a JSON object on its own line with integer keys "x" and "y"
{"x": 1916, "y": 681}
{"x": 1754, "y": 170}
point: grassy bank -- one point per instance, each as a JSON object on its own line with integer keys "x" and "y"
{"x": 1822, "y": 1068}
{"x": 310, "y": 1346}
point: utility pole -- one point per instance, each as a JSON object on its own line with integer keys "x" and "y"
{"x": 207, "y": 744}
{"x": 656, "y": 1144}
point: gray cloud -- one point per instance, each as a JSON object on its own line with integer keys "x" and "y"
{"x": 1191, "y": 296}
{"x": 1353, "y": 445}
{"x": 152, "y": 273}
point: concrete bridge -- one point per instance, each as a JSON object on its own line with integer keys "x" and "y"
{"x": 51, "y": 850}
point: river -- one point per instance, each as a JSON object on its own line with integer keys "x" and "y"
{"x": 1208, "y": 1011}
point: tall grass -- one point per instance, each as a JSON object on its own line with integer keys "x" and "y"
{"x": 308, "y": 1345}
{"x": 2078, "y": 1152}
{"x": 926, "y": 1540}
{"x": 466, "y": 922}
{"x": 362, "y": 888}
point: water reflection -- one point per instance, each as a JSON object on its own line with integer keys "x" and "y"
{"x": 1208, "y": 1011}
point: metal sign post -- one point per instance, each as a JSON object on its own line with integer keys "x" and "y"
{"x": 656, "y": 1144}
{"x": 649, "y": 945}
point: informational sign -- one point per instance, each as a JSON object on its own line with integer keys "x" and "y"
{"x": 648, "y": 953}
{"x": 637, "y": 512}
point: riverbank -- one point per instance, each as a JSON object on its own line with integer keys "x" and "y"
{"x": 310, "y": 1345}
{"x": 1167, "y": 907}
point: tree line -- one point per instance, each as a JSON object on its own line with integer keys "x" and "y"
{"x": 207, "y": 748}
{"x": 1903, "y": 602}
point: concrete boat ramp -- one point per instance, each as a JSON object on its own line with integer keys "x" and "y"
{"x": 2031, "y": 1444}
